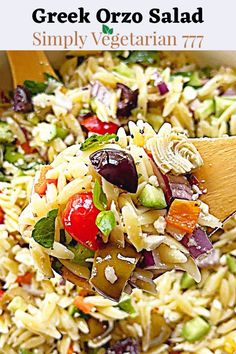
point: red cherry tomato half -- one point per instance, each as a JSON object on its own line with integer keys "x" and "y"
{"x": 79, "y": 219}
{"x": 1, "y": 216}
{"x": 94, "y": 125}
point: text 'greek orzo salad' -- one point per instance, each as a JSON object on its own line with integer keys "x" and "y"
{"x": 141, "y": 240}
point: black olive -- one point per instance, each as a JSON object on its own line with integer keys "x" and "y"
{"x": 117, "y": 167}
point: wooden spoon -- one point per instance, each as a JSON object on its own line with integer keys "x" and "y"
{"x": 218, "y": 174}
{"x": 28, "y": 65}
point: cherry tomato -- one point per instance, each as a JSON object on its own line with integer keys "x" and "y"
{"x": 26, "y": 145}
{"x": 79, "y": 219}
{"x": 93, "y": 124}
{"x": 2, "y": 292}
{"x": 1, "y": 216}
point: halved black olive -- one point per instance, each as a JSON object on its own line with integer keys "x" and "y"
{"x": 117, "y": 167}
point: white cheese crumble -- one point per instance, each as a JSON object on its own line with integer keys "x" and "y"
{"x": 160, "y": 225}
{"x": 206, "y": 219}
{"x": 110, "y": 274}
{"x": 153, "y": 181}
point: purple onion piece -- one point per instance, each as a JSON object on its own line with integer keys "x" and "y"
{"x": 209, "y": 260}
{"x": 128, "y": 100}
{"x": 231, "y": 91}
{"x": 180, "y": 187}
{"x": 100, "y": 92}
{"x": 22, "y": 101}
{"x": 163, "y": 88}
{"x": 128, "y": 345}
{"x": 117, "y": 167}
{"x": 148, "y": 259}
{"x": 197, "y": 243}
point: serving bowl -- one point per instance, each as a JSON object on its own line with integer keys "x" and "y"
{"x": 203, "y": 58}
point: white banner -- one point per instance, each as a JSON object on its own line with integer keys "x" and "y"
{"x": 118, "y": 25}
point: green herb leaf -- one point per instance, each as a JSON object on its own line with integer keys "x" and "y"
{"x": 99, "y": 197}
{"x": 106, "y": 29}
{"x": 81, "y": 253}
{"x": 49, "y": 76}
{"x": 95, "y": 139}
{"x": 44, "y": 229}
{"x": 145, "y": 57}
{"x": 106, "y": 222}
{"x": 35, "y": 87}
{"x": 126, "y": 305}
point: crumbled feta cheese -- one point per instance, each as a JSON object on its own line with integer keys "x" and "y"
{"x": 110, "y": 274}
{"x": 160, "y": 225}
{"x": 206, "y": 219}
{"x": 153, "y": 181}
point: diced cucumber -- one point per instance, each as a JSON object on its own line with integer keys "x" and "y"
{"x": 195, "y": 80}
{"x": 205, "y": 109}
{"x": 6, "y": 135}
{"x": 47, "y": 132}
{"x": 155, "y": 120}
{"x": 152, "y": 197}
{"x": 61, "y": 132}
{"x": 231, "y": 263}
{"x": 126, "y": 305}
{"x": 11, "y": 155}
{"x": 195, "y": 329}
{"x": 221, "y": 104}
{"x": 186, "y": 281}
{"x": 123, "y": 70}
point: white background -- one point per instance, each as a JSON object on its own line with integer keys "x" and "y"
{"x": 17, "y": 26}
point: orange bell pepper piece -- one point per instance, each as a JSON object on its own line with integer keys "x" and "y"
{"x": 24, "y": 279}
{"x": 83, "y": 306}
{"x": 41, "y": 186}
{"x": 183, "y": 215}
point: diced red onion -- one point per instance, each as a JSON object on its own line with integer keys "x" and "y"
{"x": 197, "y": 243}
{"x": 209, "y": 260}
{"x": 163, "y": 88}
{"x": 173, "y": 186}
{"x": 163, "y": 181}
{"x": 180, "y": 187}
{"x": 231, "y": 91}
{"x": 101, "y": 93}
{"x": 148, "y": 259}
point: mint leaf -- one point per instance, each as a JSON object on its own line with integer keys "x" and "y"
{"x": 106, "y": 222}
{"x": 96, "y": 139}
{"x": 44, "y": 230}
{"x": 126, "y": 305}
{"x": 106, "y": 29}
{"x": 99, "y": 197}
{"x": 145, "y": 57}
{"x": 35, "y": 87}
{"x": 49, "y": 76}
{"x": 81, "y": 253}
